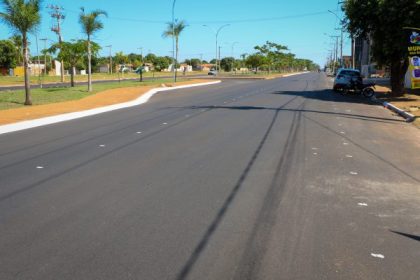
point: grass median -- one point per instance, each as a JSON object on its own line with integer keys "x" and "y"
{"x": 56, "y": 101}
{"x": 11, "y": 99}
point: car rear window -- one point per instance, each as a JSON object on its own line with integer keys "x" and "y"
{"x": 350, "y": 73}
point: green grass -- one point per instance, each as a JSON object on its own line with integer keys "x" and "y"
{"x": 10, "y": 99}
{"x": 7, "y": 80}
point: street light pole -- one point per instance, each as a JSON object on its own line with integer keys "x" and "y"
{"x": 45, "y": 55}
{"x": 342, "y": 27}
{"x": 217, "y": 35}
{"x": 110, "y": 57}
{"x": 233, "y": 55}
{"x": 173, "y": 40}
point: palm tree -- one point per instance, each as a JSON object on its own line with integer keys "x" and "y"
{"x": 23, "y": 17}
{"x": 90, "y": 24}
{"x": 174, "y": 30}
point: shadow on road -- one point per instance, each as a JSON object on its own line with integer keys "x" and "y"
{"x": 414, "y": 237}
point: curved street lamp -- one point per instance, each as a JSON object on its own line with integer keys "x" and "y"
{"x": 216, "y": 32}
{"x": 173, "y": 40}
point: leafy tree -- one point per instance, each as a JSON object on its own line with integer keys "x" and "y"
{"x": 195, "y": 63}
{"x": 273, "y": 53}
{"x": 161, "y": 63}
{"x": 382, "y": 21}
{"x": 74, "y": 53}
{"x": 227, "y": 63}
{"x": 8, "y": 54}
{"x": 90, "y": 24}
{"x": 174, "y": 30}
{"x": 150, "y": 58}
{"x": 23, "y": 17}
{"x": 120, "y": 58}
{"x": 17, "y": 41}
{"x": 255, "y": 61}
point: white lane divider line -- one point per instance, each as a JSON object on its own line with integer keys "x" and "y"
{"x": 353, "y": 173}
{"x": 345, "y": 143}
{"x": 379, "y": 256}
{"x": 315, "y": 149}
{"x": 40, "y": 167}
{"x": 165, "y": 123}
{"x": 315, "y": 154}
{"x": 138, "y": 132}
{"x": 362, "y": 204}
{"x": 102, "y": 146}
{"x": 342, "y": 132}
{"x": 349, "y": 156}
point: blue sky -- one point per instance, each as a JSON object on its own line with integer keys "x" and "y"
{"x": 132, "y": 24}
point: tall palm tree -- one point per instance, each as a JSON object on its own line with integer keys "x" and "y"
{"x": 90, "y": 24}
{"x": 23, "y": 17}
{"x": 174, "y": 30}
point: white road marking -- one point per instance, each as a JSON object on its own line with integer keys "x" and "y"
{"x": 315, "y": 154}
{"x": 102, "y": 145}
{"x": 362, "y": 204}
{"x": 353, "y": 173}
{"x": 345, "y": 143}
{"x": 314, "y": 149}
{"x": 349, "y": 156}
{"x": 165, "y": 123}
{"x": 380, "y": 256}
{"x": 40, "y": 167}
{"x": 342, "y": 132}
{"x": 138, "y": 132}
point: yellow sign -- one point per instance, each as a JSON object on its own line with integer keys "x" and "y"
{"x": 414, "y": 56}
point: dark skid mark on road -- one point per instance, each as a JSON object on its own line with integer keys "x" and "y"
{"x": 414, "y": 237}
{"x": 366, "y": 150}
{"x": 257, "y": 243}
{"x": 186, "y": 269}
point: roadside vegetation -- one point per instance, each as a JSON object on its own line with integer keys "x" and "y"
{"x": 11, "y": 99}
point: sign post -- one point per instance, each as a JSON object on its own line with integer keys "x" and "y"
{"x": 413, "y": 35}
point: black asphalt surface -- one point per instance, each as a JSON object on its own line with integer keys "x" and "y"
{"x": 277, "y": 179}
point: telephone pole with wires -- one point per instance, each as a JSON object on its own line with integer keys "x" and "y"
{"x": 56, "y": 13}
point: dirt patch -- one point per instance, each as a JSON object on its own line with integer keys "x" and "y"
{"x": 409, "y": 102}
{"x": 101, "y": 99}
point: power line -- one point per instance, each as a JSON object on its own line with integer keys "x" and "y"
{"x": 249, "y": 20}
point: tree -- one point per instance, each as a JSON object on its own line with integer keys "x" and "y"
{"x": 23, "y": 17}
{"x": 73, "y": 53}
{"x": 227, "y": 63}
{"x": 174, "y": 30}
{"x": 255, "y": 61}
{"x": 120, "y": 58}
{"x": 90, "y": 24}
{"x": 17, "y": 41}
{"x": 8, "y": 54}
{"x": 161, "y": 63}
{"x": 150, "y": 58}
{"x": 382, "y": 21}
{"x": 273, "y": 52}
{"x": 195, "y": 63}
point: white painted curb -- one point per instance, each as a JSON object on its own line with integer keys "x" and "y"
{"x": 76, "y": 115}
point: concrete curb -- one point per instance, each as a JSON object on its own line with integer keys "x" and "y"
{"x": 407, "y": 116}
{"x": 76, "y": 115}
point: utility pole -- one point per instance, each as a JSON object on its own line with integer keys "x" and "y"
{"x": 45, "y": 54}
{"x": 56, "y": 13}
{"x": 110, "y": 58}
{"x": 39, "y": 63}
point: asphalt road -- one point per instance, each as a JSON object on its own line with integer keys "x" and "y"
{"x": 277, "y": 179}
